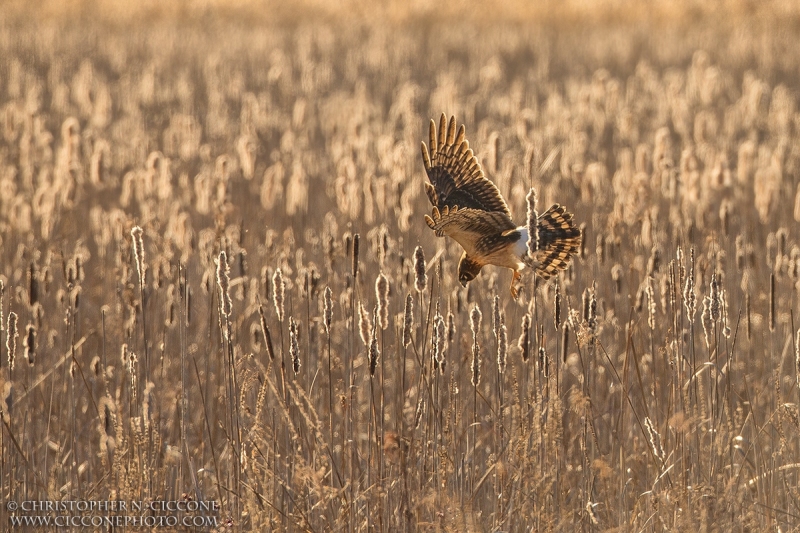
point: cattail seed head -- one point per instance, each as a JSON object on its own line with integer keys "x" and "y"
{"x": 408, "y": 320}
{"x": 772, "y": 301}
{"x": 278, "y": 293}
{"x": 294, "y": 345}
{"x": 564, "y": 341}
{"x": 138, "y": 252}
{"x": 364, "y": 324}
{"x": 30, "y": 344}
{"x": 356, "y": 242}
{"x": 327, "y": 310}
{"x": 421, "y": 277}
{"x": 502, "y": 348}
{"x": 223, "y": 282}
{"x": 524, "y": 337}
{"x": 475, "y": 321}
{"x": 533, "y": 224}
{"x": 11, "y": 338}
{"x": 708, "y": 323}
{"x": 438, "y": 341}
{"x": 374, "y": 352}
{"x": 714, "y": 308}
{"x": 475, "y": 324}
{"x": 497, "y": 318}
{"x": 651, "y": 304}
{"x": 797, "y": 356}
{"x": 476, "y": 364}
{"x": 689, "y": 297}
{"x": 382, "y": 295}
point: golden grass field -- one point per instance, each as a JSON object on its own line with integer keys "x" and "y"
{"x": 269, "y": 155}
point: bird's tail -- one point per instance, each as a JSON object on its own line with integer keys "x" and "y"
{"x": 559, "y": 240}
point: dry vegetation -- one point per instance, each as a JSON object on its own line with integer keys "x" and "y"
{"x": 211, "y": 290}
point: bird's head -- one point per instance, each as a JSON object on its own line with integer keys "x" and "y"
{"x": 467, "y": 270}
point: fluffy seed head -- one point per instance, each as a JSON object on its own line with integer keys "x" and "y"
{"x": 30, "y": 344}
{"x": 382, "y": 295}
{"x": 278, "y": 293}
{"x": 421, "y": 277}
{"x": 224, "y": 282}
{"x": 327, "y": 310}
{"x": 11, "y": 338}
{"x": 533, "y": 224}
{"x": 294, "y": 345}
{"x": 356, "y": 242}
{"x": 408, "y": 320}
{"x": 524, "y": 337}
{"x": 138, "y": 252}
{"x": 364, "y": 324}
{"x": 502, "y": 348}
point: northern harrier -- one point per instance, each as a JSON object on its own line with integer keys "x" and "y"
{"x": 469, "y": 208}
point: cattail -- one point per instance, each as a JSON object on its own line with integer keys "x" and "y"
{"x": 421, "y": 278}
{"x": 33, "y": 285}
{"x": 294, "y": 345}
{"x": 138, "y": 252}
{"x": 2, "y": 302}
{"x": 475, "y": 324}
{"x": 364, "y": 324}
{"x": 524, "y": 337}
{"x": 356, "y": 241}
{"x": 714, "y": 307}
{"x": 533, "y": 224}
{"x": 557, "y": 305}
{"x": 651, "y": 304}
{"x": 278, "y": 293}
{"x": 408, "y": 320}
{"x": 327, "y": 310}
{"x": 475, "y": 318}
{"x": 374, "y": 352}
{"x": 223, "y": 282}
{"x": 582, "y": 248}
{"x": 689, "y": 297}
{"x": 502, "y": 348}
{"x": 585, "y": 301}
{"x": 544, "y": 361}
{"x": 497, "y": 318}
{"x": 564, "y": 341}
{"x": 747, "y": 314}
{"x": 11, "y": 339}
{"x": 797, "y": 356}
{"x": 438, "y": 341}
{"x": 772, "y": 301}
{"x": 655, "y": 440}
{"x": 708, "y": 323}
{"x": 382, "y": 295}
{"x": 30, "y": 344}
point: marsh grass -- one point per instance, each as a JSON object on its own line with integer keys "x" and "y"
{"x": 216, "y": 215}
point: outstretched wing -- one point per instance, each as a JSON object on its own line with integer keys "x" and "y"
{"x": 456, "y": 178}
{"x": 559, "y": 240}
{"x": 477, "y": 231}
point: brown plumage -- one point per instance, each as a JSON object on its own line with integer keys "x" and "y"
{"x": 469, "y": 208}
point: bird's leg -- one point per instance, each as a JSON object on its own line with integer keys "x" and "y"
{"x": 514, "y": 280}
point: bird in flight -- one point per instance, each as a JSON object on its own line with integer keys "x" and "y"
{"x": 469, "y": 208}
